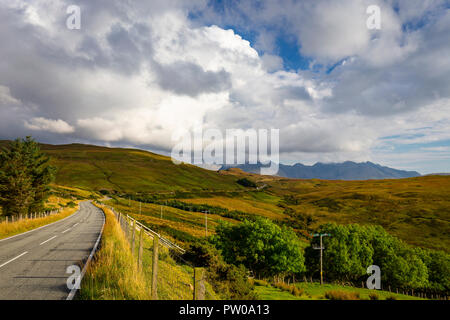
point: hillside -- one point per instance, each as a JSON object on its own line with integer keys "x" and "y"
{"x": 130, "y": 170}
{"x": 416, "y": 209}
{"x": 335, "y": 171}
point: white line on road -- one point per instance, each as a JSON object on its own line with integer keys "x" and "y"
{"x": 66, "y": 230}
{"x": 75, "y": 225}
{"x": 47, "y": 240}
{"x": 13, "y": 259}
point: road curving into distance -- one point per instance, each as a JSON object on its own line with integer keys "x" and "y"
{"x": 33, "y": 265}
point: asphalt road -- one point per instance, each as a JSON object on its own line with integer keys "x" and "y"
{"x": 33, "y": 265}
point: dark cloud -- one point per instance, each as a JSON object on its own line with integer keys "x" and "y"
{"x": 190, "y": 79}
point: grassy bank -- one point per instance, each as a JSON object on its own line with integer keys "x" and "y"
{"x": 12, "y": 229}
{"x": 314, "y": 291}
{"x": 114, "y": 273}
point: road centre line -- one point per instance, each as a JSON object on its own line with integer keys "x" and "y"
{"x": 47, "y": 240}
{"x": 13, "y": 259}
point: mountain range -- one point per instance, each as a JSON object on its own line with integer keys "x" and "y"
{"x": 333, "y": 171}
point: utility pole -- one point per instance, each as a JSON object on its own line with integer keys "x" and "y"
{"x": 161, "y": 212}
{"x": 321, "y": 248}
{"x": 140, "y": 207}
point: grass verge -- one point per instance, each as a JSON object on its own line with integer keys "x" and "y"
{"x": 113, "y": 274}
{"x": 12, "y": 229}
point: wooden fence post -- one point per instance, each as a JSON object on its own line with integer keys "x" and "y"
{"x": 155, "y": 268}
{"x": 127, "y": 228}
{"x": 141, "y": 248}
{"x": 130, "y": 231}
{"x": 199, "y": 284}
{"x": 133, "y": 238}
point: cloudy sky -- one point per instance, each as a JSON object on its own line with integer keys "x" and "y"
{"x": 137, "y": 71}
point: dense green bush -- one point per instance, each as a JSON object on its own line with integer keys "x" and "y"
{"x": 262, "y": 246}
{"x": 229, "y": 281}
{"x": 71, "y": 204}
{"x": 246, "y": 183}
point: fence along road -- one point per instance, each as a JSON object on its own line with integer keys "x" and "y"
{"x": 126, "y": 220}
{"x": 33, "y": 265}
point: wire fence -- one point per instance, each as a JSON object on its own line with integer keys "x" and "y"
{"x": 29, "y": 216}
{"x": 171, "y": 276}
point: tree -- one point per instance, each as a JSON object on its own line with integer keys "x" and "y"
{"x": 24, "y": 177}
{"x": 400, "y": 265}
{"x": 346, "y": 256}
{"x": 41, "y": 172}
{"x": 438, "y": 265}
{"x": 261, "y": 246}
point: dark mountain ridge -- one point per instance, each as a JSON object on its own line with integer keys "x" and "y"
{"x": 333, "y": 171}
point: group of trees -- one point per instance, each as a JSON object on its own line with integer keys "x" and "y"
{"x": 25, "y": 175}
{"x": 270, "y": 250}
{"x": 352, "y": 248}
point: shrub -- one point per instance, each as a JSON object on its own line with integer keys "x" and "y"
{"x": 291, "y": 288}
{"x": 262, "y": 246}
{"x": 341, "y": 295}
{"x": 373, "y": 296}
{"x": 71, "y": 204}
{"x": 229, "y": 281}
{"x": 391, "y": 297}
{"x": 260, "y": 283}
{"x": 246, "y": 183}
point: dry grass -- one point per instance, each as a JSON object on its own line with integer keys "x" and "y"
{"x": 114, "y": 274}
{"x": 374, "y": 296}
{"x": 292, "y": 289}
{"x": 341, "y": 295}
{"x": 11, "y": 229}
{"x": 264, "y": 209}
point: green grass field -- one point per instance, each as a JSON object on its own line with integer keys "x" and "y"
{"x": 130, "y": 170}
{"x": 314, "y": 291}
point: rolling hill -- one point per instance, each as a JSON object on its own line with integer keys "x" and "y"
{"x": 416, "y": 210}
{"x": 130, "y": 170}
